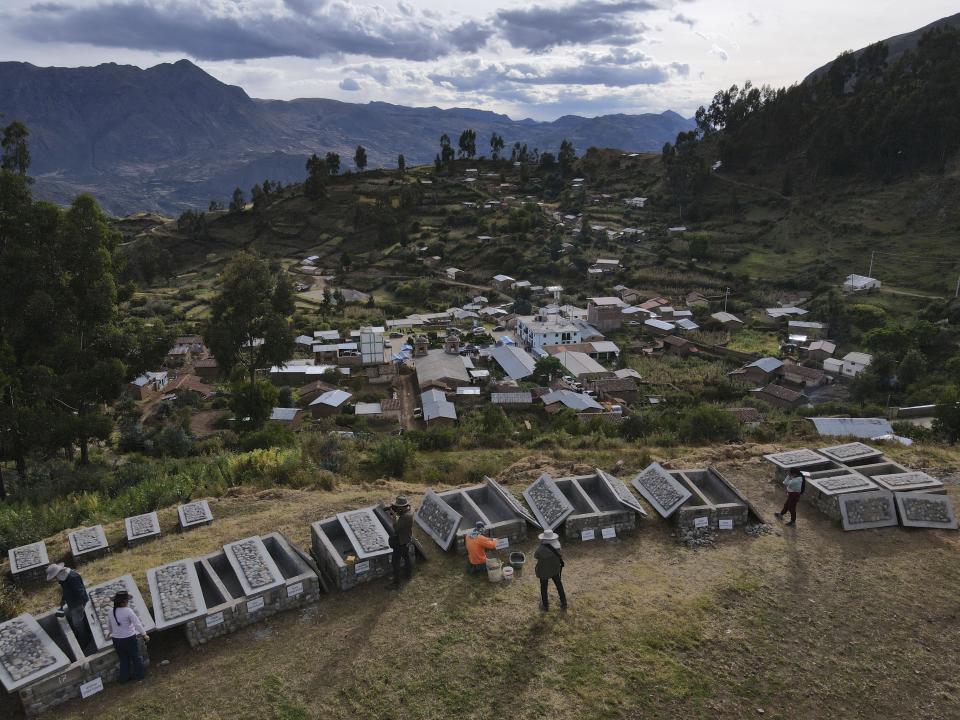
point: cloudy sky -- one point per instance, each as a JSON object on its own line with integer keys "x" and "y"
{"x": 539, "y": 60}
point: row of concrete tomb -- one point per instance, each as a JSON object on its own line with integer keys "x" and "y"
{"x": 250, "y": 579}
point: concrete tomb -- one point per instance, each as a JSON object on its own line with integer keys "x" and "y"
{"x": 254, "y": 568}
{"x": 619, "y": 488}
{"x": 84, "y": 674}
{"x": 908, "y": 482}
{"x": 926, "y": 510}
{"x": 803, "y": 459}
{"x": 872, "y": 509}
{"x": 661, "y": 489}
{"x": 825, "y": 487}
{"x": 100, "y": 605}
{"x": 29, "y": 562}
{"x": 851, "y": 453}
{"x": 142, "y": 527}
{"x": 365, "y": 531}
{"x": 88, "y": 543}
{"x": 712, "y": 499}
{"x": 230, "y": 607}
{"x": 347, "y": 559}
{"x": 494, "y": 506}
{"x": 550, "y": 505}
{"x": 596, "y": 508}
{"x": 438, "y": 519}
{"x": 194, "y": 514}
{"x": 27, "y": 653}
{"x": 176, "y": 593}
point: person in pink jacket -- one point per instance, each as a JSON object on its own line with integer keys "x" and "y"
{"x": 125, "y": 629}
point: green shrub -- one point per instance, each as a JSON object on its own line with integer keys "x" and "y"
{"x": 271, "y": 436}
{"x": 394, "y": 454}
{"x": 706, "y": 424}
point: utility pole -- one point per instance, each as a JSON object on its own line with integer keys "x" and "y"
{"x": 956, "y": 293}
{"x": 726, "y": 294}
{"x": 870, "y": 271}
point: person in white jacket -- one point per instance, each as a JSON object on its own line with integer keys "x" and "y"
{"x": 794, "y": 486}
{"x": 125, "y": 629}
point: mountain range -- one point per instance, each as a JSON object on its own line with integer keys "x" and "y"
{"x": 172, "y": 137}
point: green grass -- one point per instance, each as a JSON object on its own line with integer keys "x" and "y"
{"x": 750, "y": 340}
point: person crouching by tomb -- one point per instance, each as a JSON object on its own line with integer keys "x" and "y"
{"x": 73, "y": 598}
{"x": 125, "y": 629}
{"x": 477, "y": 545}
{"x": 794, "y": 486}
{"x": 400, "y": 539}
{"x": 549, "y": 566}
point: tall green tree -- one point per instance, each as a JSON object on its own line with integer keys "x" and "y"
{"x": 468, "y": 143}
{"x": 317, "y": 170}
{"x": 401, "y": 164}
{"x": 237, "y": 201}
{"x": 333, "y": 163}
{"x": 16, "y": 152}
{"x": 567, "y": 156}
{"x": 249, "y": 324}
{"x": 360, "y": 158}
{"x": 496, "y": 146}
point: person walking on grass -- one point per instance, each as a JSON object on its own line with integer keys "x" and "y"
{"x": 794, "y": 485}
{"x": 549, "y": 566}
{"x": 400, "y": 539}
{"x": 73, "y": 598}
{"x": 125, "y": 630}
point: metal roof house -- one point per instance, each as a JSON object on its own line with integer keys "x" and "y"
{"x": 516, "y": 362}
{"x": 437, "y": 407}
{"x": 567, "y": 398}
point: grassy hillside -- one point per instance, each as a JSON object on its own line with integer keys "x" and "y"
{"x": 800, "y": 623}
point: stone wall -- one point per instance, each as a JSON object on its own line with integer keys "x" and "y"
{"x": 622, "y": 521}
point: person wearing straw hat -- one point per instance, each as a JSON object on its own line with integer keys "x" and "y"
{"x": 400, "y": 539}
{"x": 477, "y": 544}
{"x": 125, "y": 629}
{"x": 73, "y": 598}
{"x": 549, "y": 566}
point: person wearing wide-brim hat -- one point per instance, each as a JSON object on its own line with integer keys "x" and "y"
{"x": 400, "y": 539}
{"x": 73, "y": 598}
{"x": 125, "y": 629}
{"x": 549, "y": 566}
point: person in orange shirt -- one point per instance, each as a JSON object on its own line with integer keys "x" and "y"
{"x": 477, "y": 545}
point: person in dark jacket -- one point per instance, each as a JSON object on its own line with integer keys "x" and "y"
{"x": 549, "y": 566}
{"x": 73, "y": 598}
{"x": 400, "y": 539}
{"x": 794, "y": 484}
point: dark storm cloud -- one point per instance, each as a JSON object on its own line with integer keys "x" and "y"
{"x": 349, "y": 84}
{"x": 218, "y": 32}
{"x": 539, "y": 28}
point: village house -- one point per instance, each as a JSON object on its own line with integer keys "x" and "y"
{"x": 535, "y": 331}
{"x": 747, "y": 416}
{"x": 512, "y": 400}
{"x": 329, "y": 403}
{"x": 728, "y": 320}
{"x": 802, "y": 375}
{"x": 503, "y": 283}
{"x": 678, "y": 346}
{"x": 452, "y": 273}
{"x": 442, "y": 369}
{"x": 343, "y": 354}
{"x": 581, "y": 365}
{"x": 658, "y": 328}
{"x": 780, "y": 397}
{"x": 516, "y": 362}
{"x": 437, "y": 410}
{"x": 695, "y": 299}
{"x": 207, "y": 369}
{"x": 860, "y": 283}
{"x": 855, "y": 363}
{"x": 615, "y": 388}
{"x": 148, "y": 385}
{"x": 800, "y": 331}
{"x": 290, "y": 418}
{"x": 607, "y": 265}
{"x": 759, "y": 372}
{"x": 782, "y": 313}
{"x": 820, "y": 350}
{"x": 604, "y": 313}
{"x": 579, "y": 402}
{"x": 312, "y": 390}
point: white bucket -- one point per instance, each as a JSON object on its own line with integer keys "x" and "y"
{"x": 494, "y": 570}
{"x": 507, "y": 573}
